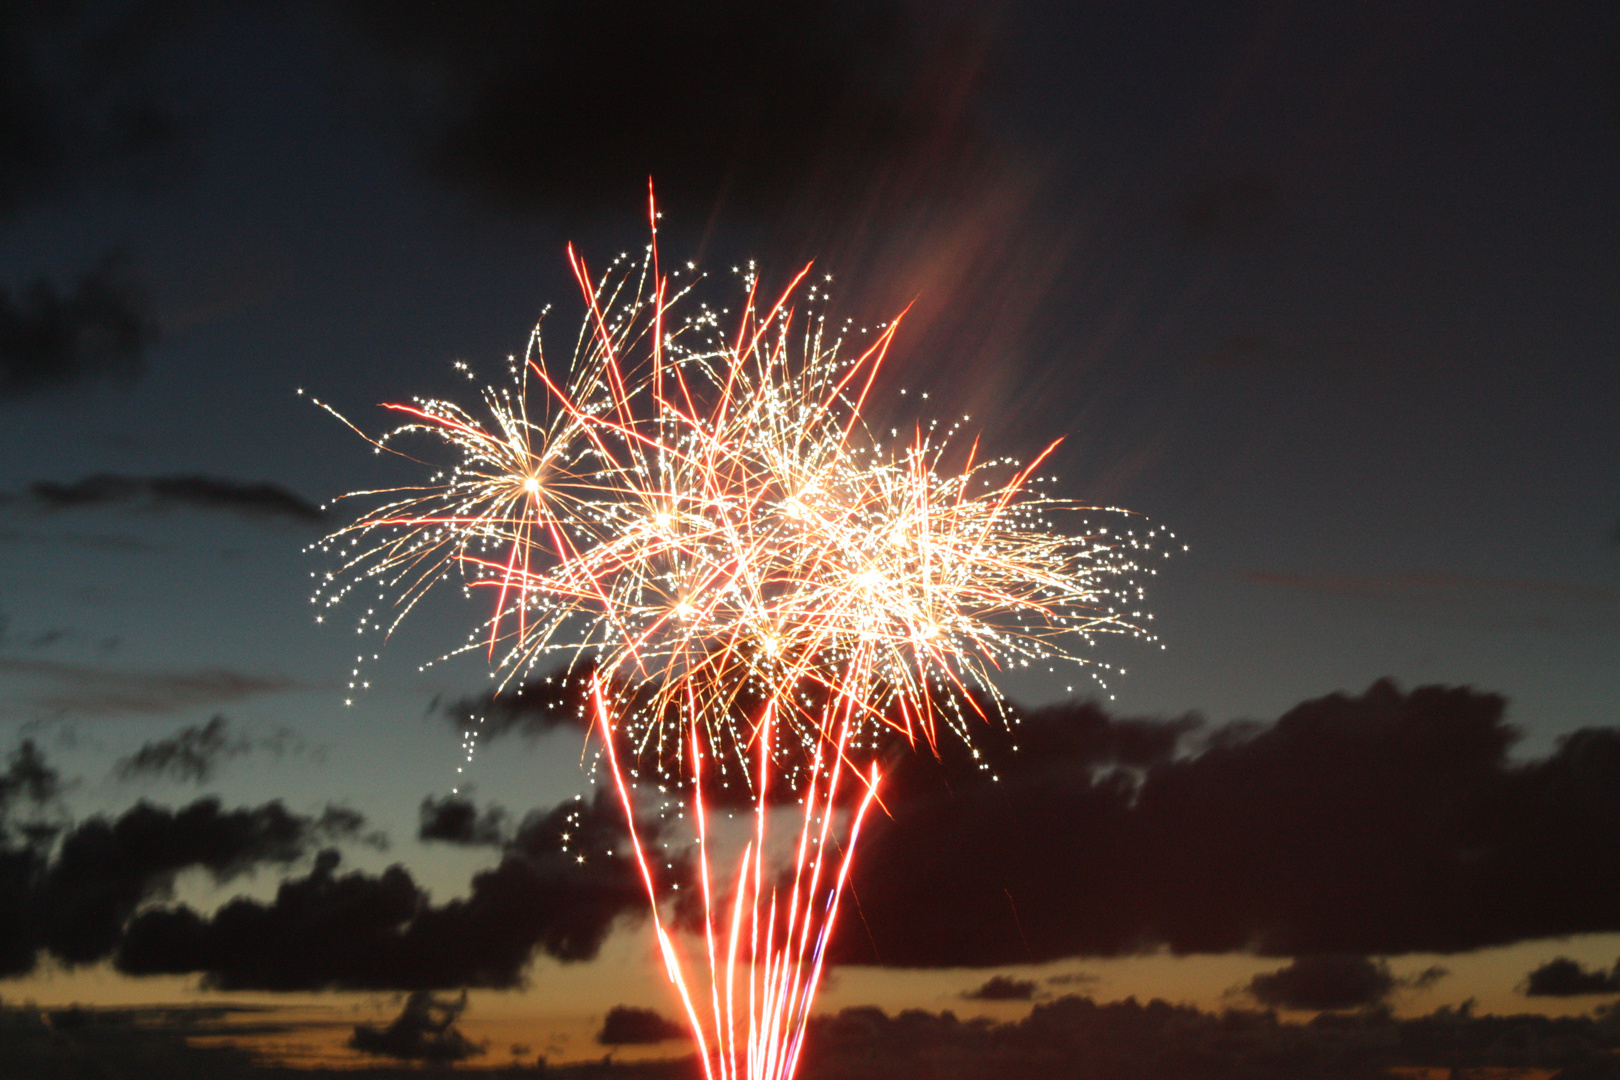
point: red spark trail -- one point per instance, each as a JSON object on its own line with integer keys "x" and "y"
{"x": 759, "y": 586}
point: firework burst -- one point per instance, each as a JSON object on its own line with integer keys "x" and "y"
{"x": 763, "y": 585}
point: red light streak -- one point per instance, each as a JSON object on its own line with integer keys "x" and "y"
{"x": 761, "y": 586}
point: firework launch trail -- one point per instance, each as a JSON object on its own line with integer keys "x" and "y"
{"x": 764, "y": 591}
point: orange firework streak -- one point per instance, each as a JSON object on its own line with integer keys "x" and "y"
{"x": 764, "y": 589}
{"x": 784, "y": 968}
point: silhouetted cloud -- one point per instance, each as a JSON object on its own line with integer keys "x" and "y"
{"x": 1425, "y": 978}
{"x": 192, "y": 753}
{"x": 51, "y": 339}
{"x": 27, "y": 784}
{"x": 1002, "y": 988}
{"x": 27, "y": 779}
{"x": 1075, "y": 1038}
{"x": 572, "y": 105}
{"x": 1324, "y": 982}
{"x": 1072, "y": 1038}
{"x": 561, "y": 698}
{"x": 423, "y": 1031}
{"x": 358, "y": 931}
{"x": 164, "y": 1042}
{"x": 629, "y": 1026}
{"x": 1563, "y": 977}
{"x": 76, "y": 903}
{"x": 160, "y": 492}
{"x": 455, "y": 820}
{"x": 75, "y": 101}
{"x": 545, "y": 703}
{"x": 1376, "y": 825}
{"x": 97, "y": 692}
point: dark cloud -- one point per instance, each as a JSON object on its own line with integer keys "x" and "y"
{"x": 1563, "y": 977}
{"x": 1426, "y": 978}
{"x": 556, "y": 699}
{"x": 28, "y": 784}
{"x": 31, "y": 815}
{"x": 27, "y": 779}
{"x": 165, "y": 1042}
{"x": 1324, "y": 982}
{"x": 561, "y": 699}
{"x": 573, "y": 105}
{"x": 1075, "y": 1038}
{"x": 96, "y": 692}
{"x": 1072, "y": 1038}
{"x": 1002, "y": 988}
{"x": 192, "y": 753}
{"x": 161, "y": 492}
{"x": 1073, "y": 732}
{"x": 105, "y": 869}
{"x": 78, "y": 100}
{"x": 1377, "y": 825}
{"x": 454, "y": 820}
{"x": 76, "y": 903}
{"x": 52, "y": 339}
{"x": 629, "y": 1026}
{"x": 425, "y": 1030}
{"x": 548, "y": 894}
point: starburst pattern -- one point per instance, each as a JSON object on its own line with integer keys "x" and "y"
{"x": 763, "y": 584}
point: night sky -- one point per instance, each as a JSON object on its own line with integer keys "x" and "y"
{"x": 1332, "y": 294}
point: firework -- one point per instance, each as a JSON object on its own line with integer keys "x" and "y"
{"x": 763, "y": 584}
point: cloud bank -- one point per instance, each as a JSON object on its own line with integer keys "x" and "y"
{"x": 425, "y": 1030}
{"x": 1324, "y": 982}
{"x": 1371, "y": 825}
{"x": 75, "y": 903}
{"x": 329, "y": 930}
{"x": 192, "y": 753}
{"x": 1563, "y": 977}
{"x": 1002, "y": 988}
{"x": 454, "y": 820}
{"x": 629, "y": 1026}
{"x": 52, "y": 339}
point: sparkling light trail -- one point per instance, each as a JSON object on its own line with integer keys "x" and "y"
{"x": 764, "y": 588}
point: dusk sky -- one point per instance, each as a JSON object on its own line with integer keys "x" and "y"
{"x": 1330, "y": 291}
